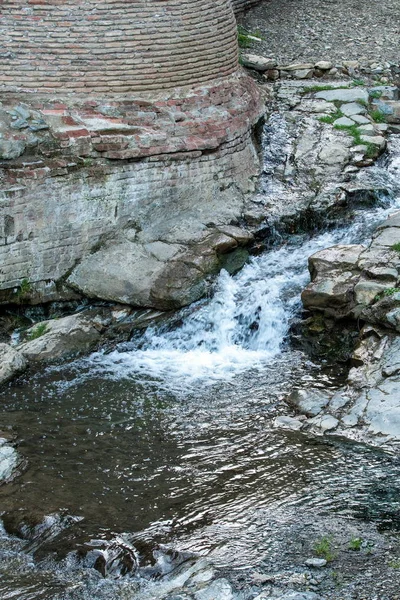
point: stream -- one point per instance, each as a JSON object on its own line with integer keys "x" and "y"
{"x": 144, "y": 460}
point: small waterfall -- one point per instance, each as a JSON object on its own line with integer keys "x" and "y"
{"x": 245, "y": 324}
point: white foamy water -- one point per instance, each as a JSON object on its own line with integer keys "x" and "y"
{"x": 245, "y": 324}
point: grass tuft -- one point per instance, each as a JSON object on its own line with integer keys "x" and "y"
{"x": 355, "y": 544}
{"x": 378, "y": 116}
{"x": 37, "y": 332}
{"x": 324, "y": 549}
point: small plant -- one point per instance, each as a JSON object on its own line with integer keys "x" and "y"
{"x": 371, "y": 150}
{"x": 386, "y": 293}
{"x": 353, "y": 131}
{"x": 355, "y": 544}
{"x": 24, "y": 289}
{"x": 37, "y": 332}
{"x": 245, "y": 38}
{"x": 396, "y": 247}
{"x": 375, "y": 94}
{"x": 357, "y": 82}
{"x": 330, "y": 119}
{"x": 394, "y": 564}
{"x": 378, "y": 116}
{"x": 323, "y": 548}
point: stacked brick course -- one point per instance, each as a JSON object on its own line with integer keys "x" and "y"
{"x": 114, "y": 45}
{"x": 241, "y": 5}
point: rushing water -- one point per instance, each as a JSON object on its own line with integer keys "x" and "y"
{"x": 167, "y": 441}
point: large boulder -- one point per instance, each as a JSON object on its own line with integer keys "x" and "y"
{"x": 158, "y": 274}
{"x": 12, "y": 362}
{"x": 60, "y": 338}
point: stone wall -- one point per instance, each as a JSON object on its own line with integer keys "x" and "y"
{"x": 114, "y": 45}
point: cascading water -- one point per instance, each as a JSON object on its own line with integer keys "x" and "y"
{"x": 167, "y": 440}
{"x": 246, "y": 322}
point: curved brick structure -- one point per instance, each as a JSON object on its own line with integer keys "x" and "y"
{"x": 115, "y": 45}
{"x": 119, "y": 119}
{"x": 241, "y": 5}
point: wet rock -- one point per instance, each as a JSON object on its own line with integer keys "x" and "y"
{"x": 310, "y": 401}
{"x": 284, "y": 422}
{"x": 12, "y": 362}
{"x": 9, "y": 460}
{"x": 60, "y": 338}
{"x": 325, "y": 422}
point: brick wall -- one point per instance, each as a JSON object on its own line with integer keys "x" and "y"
{"x": 114, "y": 45}
{"x": 241, "y": 5}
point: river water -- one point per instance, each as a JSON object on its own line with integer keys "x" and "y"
{"x": 165, "y": 446}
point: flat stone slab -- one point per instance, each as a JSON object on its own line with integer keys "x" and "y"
{"x": 353, "y": 108}
{"x": 343, "y": 95}
{"x": 258, "y": 63}
{"x": 344, "y": 122}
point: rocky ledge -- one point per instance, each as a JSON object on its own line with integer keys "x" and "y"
{"x": 361, "y": 283}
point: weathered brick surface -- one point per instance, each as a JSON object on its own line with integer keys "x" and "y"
{"x": 48, "y": 223}
{"x": 241, "y": 5}
{"x": 114, "y": 45}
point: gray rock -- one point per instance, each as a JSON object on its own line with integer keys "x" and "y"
{"x": 334, "y": 293}
{"x": 316, "y": 562}
{"x": 284, "y": 422}
{"x": 367, "y": 129}
{"x": 344, "y": 122}
{"x": 219, "y": 589}
{"x": 303, "y": 73}
{"x": 324, "y": 422}
{"x": 310, "y": 401}
{"x": 334, "y": 153}
{"x": 323, "y": 65}
{"x": 10, "y": 149}
{"x": 377, "y": 140}
{"x": 387, "y": 92}
{"x": 387, "y": 236}
{"x": 9, "y": 461}
{"x": 383, "y": 410}
{"x": 343, "y": 95}
{"x": 352, "y": 109}
{"x": 258, "y": 63}
{"x": 159, "y": 275}
{"x": 12, "y": 362}
{"x": 366, "y": 291}
{"x": 297, "y": 67}
{"x": 360, "y": 119}
{"x": 61, "y": 338}
{"x": 338, "y": 257}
